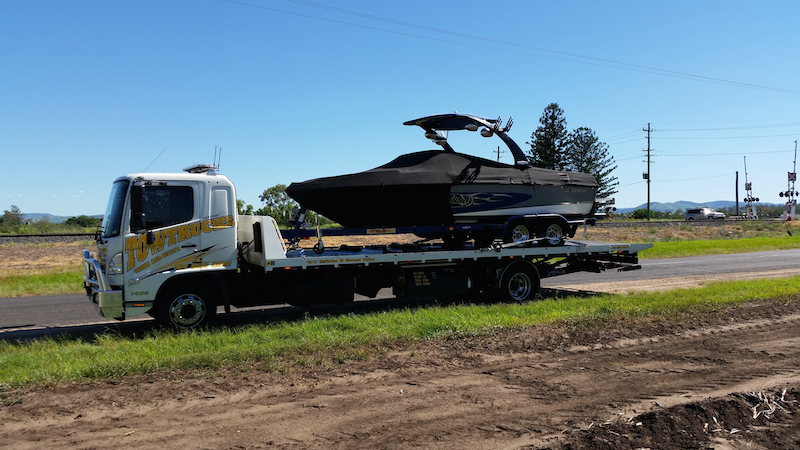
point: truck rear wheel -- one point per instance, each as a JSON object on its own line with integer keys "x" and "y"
{"x": 519, "y": 281}
{"x": 185, "y": 307}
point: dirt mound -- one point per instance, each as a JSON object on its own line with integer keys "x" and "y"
{"x": 757, "y": 420}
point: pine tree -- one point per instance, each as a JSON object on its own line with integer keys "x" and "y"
{"x": 549, "y": 141}
{"x": 586, "y": 153}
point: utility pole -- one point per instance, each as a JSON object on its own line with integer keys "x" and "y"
{"x": 499, "y": 152}
{"x": 737, "y": 184}
{"x": 647, "y": 175}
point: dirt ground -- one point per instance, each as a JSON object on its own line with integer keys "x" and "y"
{"x": 729, "y": 380}
{"x": 724, "y": 381}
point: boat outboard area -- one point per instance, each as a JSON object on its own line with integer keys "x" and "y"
{"x": 459, "y": 192}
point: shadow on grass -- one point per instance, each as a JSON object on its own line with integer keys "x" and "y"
{"x": 142, "y": 328}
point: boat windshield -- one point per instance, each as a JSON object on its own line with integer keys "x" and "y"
{"x": 112, "y": 220}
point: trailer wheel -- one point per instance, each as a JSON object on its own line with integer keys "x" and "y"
{"x": 519, "y": 281}
{"x": 518, "y": 231}
{"x": 185, "y": 307}
{"x": 553, "y": 232}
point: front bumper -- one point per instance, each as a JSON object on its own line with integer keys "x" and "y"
{"x": 108, "y": 301}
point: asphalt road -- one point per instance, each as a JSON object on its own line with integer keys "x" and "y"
{"x": 31, "y": 317}
{"x": 693, "y": 266}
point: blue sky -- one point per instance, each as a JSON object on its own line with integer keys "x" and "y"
{"x": 293, "y": 90}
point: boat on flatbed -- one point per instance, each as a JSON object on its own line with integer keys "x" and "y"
{"x": 438, "y": 187}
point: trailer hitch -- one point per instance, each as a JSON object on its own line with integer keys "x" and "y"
{"x": 627, "y": 268}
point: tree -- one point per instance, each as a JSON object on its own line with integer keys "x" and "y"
{"x": 585, "y": 153}
{"x": 84, "y": 221}
{"x": 549, "y": 141}
{"x": 13, "y": 217}
{"x": 244, "y": 209}
{"x": 277, "y": 204}
{"x": 552, "y": 147}
{"x": 276, "y": 196}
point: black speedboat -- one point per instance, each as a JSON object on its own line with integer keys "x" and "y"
{"x": 439, "y": 187}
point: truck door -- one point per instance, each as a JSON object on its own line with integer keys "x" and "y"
{"x": 218, "y": 237}
{"x": 172, "y": 219}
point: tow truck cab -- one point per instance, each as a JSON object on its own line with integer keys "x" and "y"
{"x": 159, "y": 230}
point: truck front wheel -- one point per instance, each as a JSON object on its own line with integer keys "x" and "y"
{"x": 185, "y": 307}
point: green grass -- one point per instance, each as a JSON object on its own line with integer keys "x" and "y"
{"x": 333, "y": 340}
{"x": 68, "y": 282}
{"x": 679, "y": 249}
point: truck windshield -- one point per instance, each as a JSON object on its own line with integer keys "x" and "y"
{"x": 112, "y": 220}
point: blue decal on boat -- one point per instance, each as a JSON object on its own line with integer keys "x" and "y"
{"x": 481, "y": 200}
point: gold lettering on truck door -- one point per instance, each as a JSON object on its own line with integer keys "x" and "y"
{"x": 184, "y": 232}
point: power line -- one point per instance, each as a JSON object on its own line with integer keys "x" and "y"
{"x": 701, "y": 178}
{"x": 745, "y": 127}
{"x": 624, "y": 142}
{"x": 726, "y": 154}
{"x": 732, "y": 121}
{"x": 590, "y": 59}
{"x": 752, "y": 127}
{"x": 631, "y": 184}
{"x": 731, "y": 137}
{"x": 619, "y": 136}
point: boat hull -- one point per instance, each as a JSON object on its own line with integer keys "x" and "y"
{"x": 470, "y": 203}
{"x": 440, "y": 188}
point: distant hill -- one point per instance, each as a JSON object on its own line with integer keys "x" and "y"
{"x": 51, "y": 218}
{"x": 684, "y": 205}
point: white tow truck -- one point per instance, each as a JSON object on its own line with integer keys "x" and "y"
{"x": 172, "y": 245}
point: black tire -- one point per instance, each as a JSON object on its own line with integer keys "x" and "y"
{"x": 553, "y": 232}
{"x": 519, "y": 282}
{"x": 185, "y": 307}
{"x": 518, "y": 231}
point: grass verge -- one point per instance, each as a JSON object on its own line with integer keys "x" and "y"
{"x": 58, "y": 281}
{"x": 332, "y": 340}
{"x": 680, "y": 249}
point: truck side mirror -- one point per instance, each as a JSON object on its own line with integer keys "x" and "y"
{"x": 138, "y": 220}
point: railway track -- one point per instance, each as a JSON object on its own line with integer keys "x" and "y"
{"x": 45, "y": 238}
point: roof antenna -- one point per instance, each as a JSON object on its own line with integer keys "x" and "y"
{"x": 151, "y": 163}
{"x": 220, "y": 157}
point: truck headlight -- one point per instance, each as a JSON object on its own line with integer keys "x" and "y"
{"x": 115, "y": 265}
